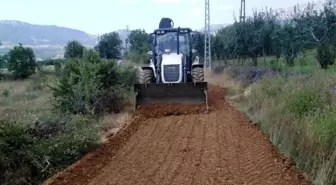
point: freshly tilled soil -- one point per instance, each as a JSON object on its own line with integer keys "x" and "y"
{"x": 220, "y": 147}
{"x": 163, "y": 110}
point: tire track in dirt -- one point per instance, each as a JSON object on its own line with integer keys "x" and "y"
{"x": 140, "y": 158}
{"x": 208, "y": 166}
{"x": 190, "y": 151}
{"x": 128, "y": 150}
{"x": 230, "y": 158}
{"x": 167, "y": 144}
{"x": 220, "y": 147}
{"x": 180, "y": 156}
{"x": 199, "y": 159}
{"x": 169, "y": 168}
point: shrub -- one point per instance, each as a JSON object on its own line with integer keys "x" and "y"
{"x": 92, "y": 88}
{"x": 325, "y": 55}
{"x": 29, "y": 154}
{"x": 91, "y": 55}
{"x": 21, "y": 61}
{"x": 73, "y": 49}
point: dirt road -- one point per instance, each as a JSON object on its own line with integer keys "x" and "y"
{"x": 220, "y": 147}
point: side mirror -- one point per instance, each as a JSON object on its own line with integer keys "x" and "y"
{"x": 150, "y": 38}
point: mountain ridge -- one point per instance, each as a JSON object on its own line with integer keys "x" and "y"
{"x": 48, "y": 41}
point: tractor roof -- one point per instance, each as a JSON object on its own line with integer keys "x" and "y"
{"x": 171, "y": 29}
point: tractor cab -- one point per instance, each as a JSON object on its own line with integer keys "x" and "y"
{"x": 171, "y": 40}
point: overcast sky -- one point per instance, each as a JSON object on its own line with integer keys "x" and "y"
{"x": 101, "y": 16}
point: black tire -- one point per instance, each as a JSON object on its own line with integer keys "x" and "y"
{"x": 146, "y": 76}
{"x": 197, "y": 74}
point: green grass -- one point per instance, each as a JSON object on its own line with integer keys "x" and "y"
{"x": 297, "y": 113}
{"x": 304, "y": 63}
{"x": 25, "y": 100}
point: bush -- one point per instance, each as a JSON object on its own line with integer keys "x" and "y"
{"x": 73, "y": 49}
{"x": 325, "y": 55}
{"x": 93, "y": 88}
{"x": 30, "y": 154}
{"x": 21, "y": 61}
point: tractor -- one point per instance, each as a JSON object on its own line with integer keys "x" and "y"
{"x": 175, "y": 73}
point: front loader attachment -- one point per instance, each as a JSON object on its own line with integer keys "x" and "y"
{"x": 191, "y": 93}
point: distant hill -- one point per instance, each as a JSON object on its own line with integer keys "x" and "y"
{"x": 13, "y": 32}
{"x": 48, "y": 41}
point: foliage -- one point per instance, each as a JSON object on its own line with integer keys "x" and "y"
{"x": 31, "y": 153}
{"x": 138, "y": 41}
{"x": 296, "y": 111}
{"x": 267, "y": 33}
{"x": 74, "y": 49}
{"x": 109, "y": 46}
{"x": 138, "y": 46}
{"x": 88, "y": 87}
{"x": 91, "y": 56}
{"x": 21, "y": 61}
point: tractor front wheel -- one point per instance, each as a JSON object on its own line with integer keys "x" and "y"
{"x": 197, "y": 74}
{"x": 146, "y": 76}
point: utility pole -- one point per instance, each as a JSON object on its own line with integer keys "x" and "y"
{"x": 126, "y": 40}
{"x": 207, "y": 40}
{"x": 242, "y": 15}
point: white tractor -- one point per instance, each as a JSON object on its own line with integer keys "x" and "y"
{"x": 175, "y": 74}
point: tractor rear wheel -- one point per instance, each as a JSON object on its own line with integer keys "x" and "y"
{"x": 146, "y": 76}
{"x": 197, "y": 74}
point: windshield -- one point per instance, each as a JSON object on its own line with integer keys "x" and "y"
{"x": 169, "y": 41}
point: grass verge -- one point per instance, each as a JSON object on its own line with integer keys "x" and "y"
{"x": 297, "y": 113}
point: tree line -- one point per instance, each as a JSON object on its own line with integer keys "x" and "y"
{"x": 21, "y": 61}
{"x": 110, "y": 46}
{"x": 266, "y": 33}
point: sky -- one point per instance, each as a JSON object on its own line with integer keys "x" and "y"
{"x": 102, "y": 16}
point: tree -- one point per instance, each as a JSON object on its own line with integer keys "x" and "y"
{"x": 139, "y": 46}
{"x": 109, "y": 46}
{"x": 21, "y": 61}
{"x": 91, "y": 56}
{"x": 138, "y": 40}
{"x": 74, "y": 49}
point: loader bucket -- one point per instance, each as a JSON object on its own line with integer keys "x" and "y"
{"x": 172, "y": 93}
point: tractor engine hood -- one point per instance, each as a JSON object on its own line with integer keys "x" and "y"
{"x": 171, "y": 67}
{"x": 171, "y": 58}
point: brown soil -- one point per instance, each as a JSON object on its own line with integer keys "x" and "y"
{"x": 162, "y": 110}
{"x": 220, "y": 147}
